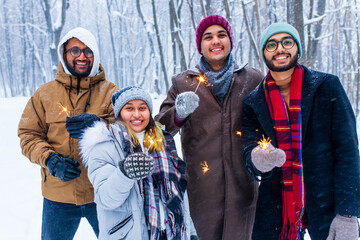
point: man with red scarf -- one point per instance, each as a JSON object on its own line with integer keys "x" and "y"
{"x": 309, "y": 166}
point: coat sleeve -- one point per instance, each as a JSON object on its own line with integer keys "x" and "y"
{"x": 252, "y": 133}
{"x": 187, "y": 213}
{"x": 32, "y": 131}
{"x": 166, "y": 115}
{"x": 111, "y": 186}
{"x": 110, "y": 117}
{"x": 346, "y": 152}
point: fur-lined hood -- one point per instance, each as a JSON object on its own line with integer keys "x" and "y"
{"x": 96, "y": 134}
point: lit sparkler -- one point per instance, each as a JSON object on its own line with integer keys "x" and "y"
{"x": 200, "y": 79}
{"x": 264, "y": 143}
{"x": 64, "y": 109}
{"x": 204, "y": 167}
{"x": 152, "y": 141}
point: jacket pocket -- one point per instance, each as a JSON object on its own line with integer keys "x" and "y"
{"x": 121, "y": 229}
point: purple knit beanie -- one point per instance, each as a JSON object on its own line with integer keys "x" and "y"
{"x": 212, "y": 20}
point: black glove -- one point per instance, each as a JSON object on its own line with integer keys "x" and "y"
{"x": 137, "y": 166}
{"x": 62, "y": 167}
{"x": 76, "y": 124}
{"x": 194, "y": 237}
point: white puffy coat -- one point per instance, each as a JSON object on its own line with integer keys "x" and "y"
{"x": 120, "y": 206}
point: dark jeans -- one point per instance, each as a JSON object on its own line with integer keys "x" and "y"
{"x": 61, "y": 220}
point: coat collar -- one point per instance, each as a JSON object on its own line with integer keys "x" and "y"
{"x": 256, "y": 99}
{"x": 85, "y": 82}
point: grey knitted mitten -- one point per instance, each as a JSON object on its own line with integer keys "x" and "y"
{"x": 185, "y": 104}
{"x": 137, "y": 166}
{"x": 266, "y": 160}
{"x": 343, "y": 228}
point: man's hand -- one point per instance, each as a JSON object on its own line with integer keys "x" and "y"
{"x": 61, "y": 167}
{"x": 185, "y": 104}
{"x": 267, "y": 159}
{"x": 76, "y": 124}
{"x": 137, "y": 166}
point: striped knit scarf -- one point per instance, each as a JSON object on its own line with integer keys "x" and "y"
{"x": 287, "y": 124}
{"x": 167, "y": 183}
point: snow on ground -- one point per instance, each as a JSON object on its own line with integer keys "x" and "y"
{"x": 21, "y": 200}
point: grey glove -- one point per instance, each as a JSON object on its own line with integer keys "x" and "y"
{"x": 137, "y": 166}
{"x": 185, "y": 104}
{"x": 266, "y": 160}
{"x": 343, "y": 228}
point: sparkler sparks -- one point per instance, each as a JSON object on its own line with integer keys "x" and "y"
{"x": 64, "y": 109}
{"x": 264, "y": 143}
{"x": 153, "y": 140}
{"x": 204, "y": 167}
{"x": 200, "y": 79}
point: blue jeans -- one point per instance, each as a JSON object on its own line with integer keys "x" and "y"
{"x": 61, "y": 220}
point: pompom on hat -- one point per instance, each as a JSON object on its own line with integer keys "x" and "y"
{"x": 123, "y": 96}
{"x": 207, "y": 22}
{"x": 275, "y": 28}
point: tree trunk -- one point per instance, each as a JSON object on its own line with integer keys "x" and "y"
{"x": 162, "y": 60}
{"x": 227, "y": 10}
{"x": 295, "y": 18}
{"x": 115, "y": 63}
{"x": 8, "y": 53}
{"x": 251, "y": 36}
{"x": 313, "y": 43}
{"x": 54, "y": 30}
{"x": 176, "y": 34}
{"x": 152, "y": 46}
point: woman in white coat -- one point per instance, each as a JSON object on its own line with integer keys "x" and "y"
{"x": 138, "y": 178}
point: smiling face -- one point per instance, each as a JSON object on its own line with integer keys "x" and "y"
{"x": 215, "y": 46}
{"x": 78, "y": 66}
{"x": 136, "y": 115}
{"x": 281, "y": 59}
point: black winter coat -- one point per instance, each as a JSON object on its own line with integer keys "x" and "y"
{"x": 329, "y": 150}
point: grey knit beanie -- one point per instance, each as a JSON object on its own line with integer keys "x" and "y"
{"x": 123, "y": 96}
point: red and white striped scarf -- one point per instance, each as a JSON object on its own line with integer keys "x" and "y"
{"x": 288, "y": 127}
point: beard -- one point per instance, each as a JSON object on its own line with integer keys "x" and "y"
{"x": 293, "y": 61}
{"x": 74, "y": 72}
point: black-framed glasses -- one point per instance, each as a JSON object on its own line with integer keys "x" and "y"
{"x": 76, "y": 52}
{"x": 286, "y": 43}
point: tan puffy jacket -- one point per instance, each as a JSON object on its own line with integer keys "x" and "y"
{"x": 42, "y": 129}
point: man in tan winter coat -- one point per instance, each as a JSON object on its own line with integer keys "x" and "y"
{"x": 222, "y": 199}
{"x": 48, "y": 133}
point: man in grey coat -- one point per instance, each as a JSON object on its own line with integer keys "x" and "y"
{"x": 222, "y": 195}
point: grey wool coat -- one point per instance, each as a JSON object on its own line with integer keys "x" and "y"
{"x": 222, "y": 201}
{"x": 120, "y": 206}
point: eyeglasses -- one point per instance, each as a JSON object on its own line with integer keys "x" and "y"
{"x": 286, "y": 43}
{"x": 76, "y": 52}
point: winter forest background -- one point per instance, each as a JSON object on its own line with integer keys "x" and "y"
{"x": 145, "y": 42}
